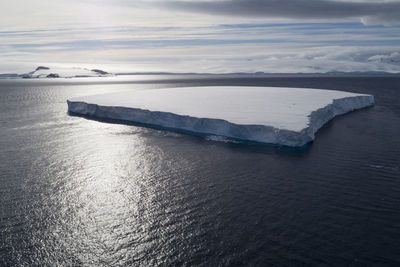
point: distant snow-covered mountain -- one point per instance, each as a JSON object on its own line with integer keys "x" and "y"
{"x": 58, "y": 72}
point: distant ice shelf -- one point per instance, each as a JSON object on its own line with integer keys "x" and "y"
{"x": 276, "y": 115}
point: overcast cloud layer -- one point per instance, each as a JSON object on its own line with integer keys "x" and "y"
{"x": 201, "y": 36}
{"x": 387, "y": 12}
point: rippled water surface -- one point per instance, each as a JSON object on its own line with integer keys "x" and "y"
{"x": 81, "y": 192}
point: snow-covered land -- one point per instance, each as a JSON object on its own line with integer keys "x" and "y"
{"x": 284, "y": 116}
{"x": 58, "y": 72}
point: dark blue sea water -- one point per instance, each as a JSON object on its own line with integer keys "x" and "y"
{"x": 75, "y": 191}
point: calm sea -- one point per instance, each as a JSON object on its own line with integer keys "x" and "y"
{"x": 75, "y": 191}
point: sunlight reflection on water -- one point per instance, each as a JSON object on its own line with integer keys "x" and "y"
{"x": 111, "y": 191}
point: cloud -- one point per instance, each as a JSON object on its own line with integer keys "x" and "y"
{"x": 393, "y": 58}
{"x": 249, "y": 57}
{"x": 251, "y": 35}
{"x": 369, "y": 12}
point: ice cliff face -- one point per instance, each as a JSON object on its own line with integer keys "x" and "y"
{"x": 283, "y": 116}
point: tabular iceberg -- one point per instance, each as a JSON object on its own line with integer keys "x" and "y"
{"x": 277, "y": 115}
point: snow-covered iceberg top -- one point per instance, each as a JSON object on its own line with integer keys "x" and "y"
{"x": 284, "y": 116}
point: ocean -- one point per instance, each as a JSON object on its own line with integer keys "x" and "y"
{"x": 75, "y": 191}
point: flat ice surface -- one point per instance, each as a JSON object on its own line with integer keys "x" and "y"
{"x": 281, "y": 108}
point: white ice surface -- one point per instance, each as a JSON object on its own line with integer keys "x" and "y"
{"x": 64, "y": 72}
{"x": 283, "y": 115}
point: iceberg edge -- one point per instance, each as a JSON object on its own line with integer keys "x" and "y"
{"x": 212, "y": 126}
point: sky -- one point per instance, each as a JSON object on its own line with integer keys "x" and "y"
{"x": 204, "y": 36}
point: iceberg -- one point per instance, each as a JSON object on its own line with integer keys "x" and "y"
{"x": 275, "y": 115}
